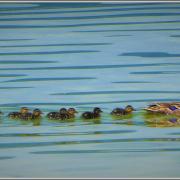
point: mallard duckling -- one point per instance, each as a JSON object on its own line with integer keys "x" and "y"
{"x": 36, "y": 114}
{"x": 120, "y": 111}
{"x": 53, "y": 115}
{"x": 61, "y": 115}
{"x": 92, "y": 115}
{"x": 71, "y": 113}
{"x": 16, "y": 115}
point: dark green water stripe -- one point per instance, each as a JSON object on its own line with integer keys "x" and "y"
{"x": 97, "y": 141}
{"x": 89, "y": 103}
{"x": 154, "y": 72}
{"x": 12, "y": 75}
{"x": 175, "y": 36}
{"x": 118, "y": 35}
{"x": 50, "y": 79}
{"x": 80, "y": 5}
{"x": 150, "y": 54}
{"x": 95, "y": 17}
{"x": 126, "y": 30}
{"x": 49, "y": 52}
{"x": 94, "y": 10}
{"x": 51, "y": 45}
{"x": 9, "y": 87}
{"x": 6, "y": 157}
{"x": 91, "y": 66}
{"x": 86, "y": 25}
{"x": 107, "y": 151}
{"x": 25, "y": 62}
{"x": 16, "y": 39}
{"x": 66, "y": 133}
{"x": 131, "y": 82}
{"x": 116, "y": 92}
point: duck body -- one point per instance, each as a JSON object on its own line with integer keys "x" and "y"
{"x": 122, "y": 111}
{"x": 26, "y": 116}
{"x": 53, "y": 115}
{"x": 92, "y": 115}
{"x": 14, "y": 115}
{"x": 164, "y": 108}
{"x": 118, "y": 112}
{"x": 17, "y": 115}
{"x": 63, "y": 114}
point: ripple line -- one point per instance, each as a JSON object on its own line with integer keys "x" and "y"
{"x": 150, "y": 54}
{"x": 126, "y": 30}
{"x": 86, "y": 25}
{"x": 94, "y": 17}
{"x": 49, "y": 45}
{"x": 54, "y": 143}
{"x": 50, "y": 79}
{"x": 88, "y": 103}
{"x": 50, "y": 52}
{"x": 92, "y": 66}
{"x": 94, "y": 10}
{"x": 106, "y": 151}
{"x": 25, "y": 62}
{"x": 114, "y": 92}
{"x": 66, "y": 133}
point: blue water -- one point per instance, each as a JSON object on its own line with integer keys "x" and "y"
{"x": 83, "y": 55}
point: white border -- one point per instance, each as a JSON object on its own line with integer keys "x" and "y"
{"x": 87, "y": 1}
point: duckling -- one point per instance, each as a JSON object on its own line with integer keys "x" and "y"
{"x": 120, "y": 111}
{"x": 53, "y": 115}
{"x": 1, "y": 113}
{"x": 16, "y": 115}
{"x": 36, "y": 114}
{"x": 71, "y": 113}
{"x": 61, "y": 115}
{"x": 91, "y": 115}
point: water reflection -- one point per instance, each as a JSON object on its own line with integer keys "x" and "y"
{"x": 158, "y": 120}
{"x": 93, "y": 121}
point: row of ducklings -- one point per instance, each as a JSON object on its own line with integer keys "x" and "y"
{"x": 64, "y": 113}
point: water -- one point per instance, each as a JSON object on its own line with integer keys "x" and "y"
{"x": 84, "y": 55}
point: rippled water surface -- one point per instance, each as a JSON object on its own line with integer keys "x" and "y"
{"x": 84, "y": 55}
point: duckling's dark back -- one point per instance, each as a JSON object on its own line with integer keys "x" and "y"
{"x": 53, "y": 115}
{"x": 14, "y": 115}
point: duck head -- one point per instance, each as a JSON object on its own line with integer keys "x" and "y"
{"x": 37, "y": 112}
{"x": 97, "y": 110}
{"x": 24, "y": 110}
{"x": 129, "y": 109}
{"x": 63, "y": 111}
{"x": 72, "y": 111}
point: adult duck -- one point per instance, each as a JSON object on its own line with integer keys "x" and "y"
{"x": 164, "y": 108}
{"x": 123, "y": 111}
{"x": 96, "y": 113}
